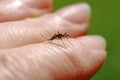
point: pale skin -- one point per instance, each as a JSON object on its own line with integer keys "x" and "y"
{"x": 25, "y": 52}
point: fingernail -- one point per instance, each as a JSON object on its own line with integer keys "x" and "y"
{"x": 77, "y": 13}
{"x": 96, "y": 42}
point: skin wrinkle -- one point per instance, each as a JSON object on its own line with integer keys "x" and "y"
{"x": 71, "y": 69}
{"x": 5, "y": 68}
{"x": 54, "y": 51}
{"x": 68, "y": 50}
{"x": 73, "y": 58}
{"x": 28, "y": 68}
{"x": 6, "y": 39}
{"x": 11, "y": 33}
{"x": 34, "y": 66}
{"x": 45, "y": 58}
{"x": 70, "y": 56}
{"x": 46, "y": 30}
{"x": 36, "y": 63}
{"x": 17, "y": 64}
{"x": 43, "y": 22}
{"x": 2, "y": 37}
{"x": 48, "y": 21}
{"x": 34, "y": 59}
{"x": 14, "y": 69}
{"x": 23, "y": 29}
{"x": 31, "y": 30}
{"x": 48, "y": 59}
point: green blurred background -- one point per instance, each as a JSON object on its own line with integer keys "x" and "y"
{"x": 105, "y": 21}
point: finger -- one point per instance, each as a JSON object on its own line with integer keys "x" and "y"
{"x": 77, "y": 61}
{"x": 20, "y": 9}
{"x": 81, "y": 16}
{"x": 19, "y": 33}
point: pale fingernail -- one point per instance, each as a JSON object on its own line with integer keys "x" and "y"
{"x": 77, "y": 13}
{"x": 96, "y": 42}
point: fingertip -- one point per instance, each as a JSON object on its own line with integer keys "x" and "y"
{"x": 94, "y": 41}
{"x": 86, "y": 6}
{"x": 77, "y": 13}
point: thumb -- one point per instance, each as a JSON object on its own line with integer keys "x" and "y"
{"x": 77, "y": 60}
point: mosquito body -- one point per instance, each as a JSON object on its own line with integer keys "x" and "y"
{"x": 59, "y": 36}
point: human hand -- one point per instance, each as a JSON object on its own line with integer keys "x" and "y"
{"x": 27, "y": 55}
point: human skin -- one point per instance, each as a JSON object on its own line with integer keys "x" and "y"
{"x": 27, "y": 54}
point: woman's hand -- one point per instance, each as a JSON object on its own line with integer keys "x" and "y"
{"x": 25, "y": 52}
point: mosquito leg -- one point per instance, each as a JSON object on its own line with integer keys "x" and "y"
{"x": 67, "y": 36}
{"x": 63, "y": 42}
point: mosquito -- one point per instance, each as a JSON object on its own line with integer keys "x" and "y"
{"x": 59, "y": 36}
